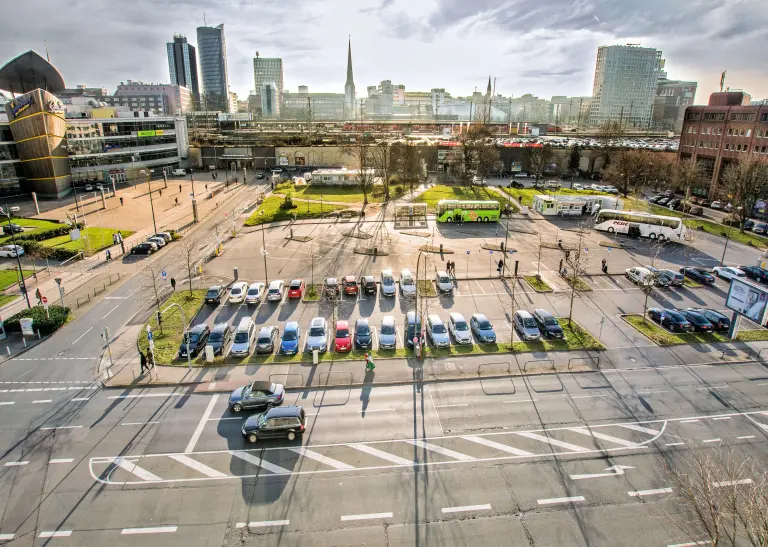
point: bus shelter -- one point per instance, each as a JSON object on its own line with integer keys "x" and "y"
{"x": 411, "y": 215}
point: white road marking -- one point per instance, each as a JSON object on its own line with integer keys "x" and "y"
{"x": 149, "y": 530}
{"x": 81, "y": 399}
{"x": 56, "y": 534}
{"x": 674, "y": 444}
{"x": 451, "y": 406}
{"x": 61, "y": 427}
{"x": 689, "y": 544}
{"x": 746, "y": 437}
{"x": 110, "y": 311}
{"x": 640, "y": 493}
{"x": 264, "y": 523}
{"x": 369, "y": 516}
{"x": 519, "y": 401}
{"x": 465, "y": 508}
{"x": 211, "y": 386}
{"x": 689, "y": 421}
{"x": 79, "y": 337}
{"x": 42, "y": 401}
{"x": 259, "y": 462}
{"x": 139, "y": 423}
{"x": 553, "y": 442}
{"x": 381, "y": 454}
{"x": 6, "y": 537}
{"x": 7, "y": 403}
{"x": 137, "y": 395}
{"x": 131, "y": 467}
{"x": 61, "y": 460}
{"x": 498, "y": 446}
{"x": 378, "y": 410}
{"x": 722, "y": 418}
{"x": 479, "y": 287}
{"x": 15, "y": 464}
{"x": 604, "y": 437}
{"x": 707, "y": 388}
{"x": 197, "y": 466}
{"x": 587, "y": 396}
{"x": 553, "y": 501}
{"x": 712, "y": 441}
{"x": 201, "y": 424}
{"x": 731, "y": 483}
{"x": 440, "y": 450}
{"x": 311, "y": 454}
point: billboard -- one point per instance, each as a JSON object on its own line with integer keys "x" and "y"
{"x": 748, "y": 299}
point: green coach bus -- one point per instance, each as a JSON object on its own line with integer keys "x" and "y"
{"x": 460, "y": 210}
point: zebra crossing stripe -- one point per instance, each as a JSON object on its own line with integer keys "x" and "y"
{"x": 553, "y": 442}
{"x": 255, "y": 460}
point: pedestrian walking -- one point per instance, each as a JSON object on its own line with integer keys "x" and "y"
{"x": 121, "y": 201}
{"x": 179, "y": 188}
{"x": 176, "y": 200}
{"x": 206, "y": 187}
{"x": 173, "y": 283}
{"x": 39, "y": 296}
{"x": 369, "y": 364}
{"x": 143, "y": 361}
{"x": 161, "y": 193}
{"x": 114, "y": 239}
{"x": 500, "y": 266}
{"x": 109, "y": 255}
{"x": 605, "y": 266}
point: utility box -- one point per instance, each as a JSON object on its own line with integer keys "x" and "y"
{"x": 315, "y": 356}
{"x": 209, "y": 354}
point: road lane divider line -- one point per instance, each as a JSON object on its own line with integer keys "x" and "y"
{"x": 608, "y": 438}
{"x": 635, "y": 427}
{"x": 381, "y": 454}
{"x": 134, "y": 469}
{"x": 6, "y": 537}
{"x": 139, "y": 423}
{"x": 40, "y": 401}
{"x": 378, "y": 410}
{"x": 722, "y": 418}
{"x": 61, "y": 460}
{"x": 79, "y": 337}
{"x": 197, "y": 466}
{"x": 587, "y": 396}
{"x": 731, "y": 483}
{"x": 556, "y": 501}
{"x": 312, "y": 455}
{"x": 3, "y": 403}
{"x": 746, "y": 437}
{"x": 451, "y": 406}
{"x": 56, "y": 534}
{"x": 498, "y": 446}
{"x": 149, "y": 530}
{"x": 201, "y": 424}
{"x": 110, "y": 311}
{"x": 690, "y": 544}
{"x": 654, "y": 492}
{"x": 440, "y": 450}
{"x": 15, "y": 464}
{"x": 519, "y": 401}
{"x": 689, "y": 421}
{"x": 81, "y": 399}
{"x": 259, "y": 462}
{"x": 61, "y": 427}
{"x": 465, "y": 508}
{"x": 369, "y": 516}
{"x": 707, "y": 388}
{"x": 675, "y": 444}
{"x": 139, "y": 395}
{"x": 553, "y": 442}
{"x": 262, "y": 524}
{"x": 712, "y": 441}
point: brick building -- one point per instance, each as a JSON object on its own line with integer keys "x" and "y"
{"x": 720, "y": 132}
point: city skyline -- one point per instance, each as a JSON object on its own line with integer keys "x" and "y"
{"x": 458, "y": 44}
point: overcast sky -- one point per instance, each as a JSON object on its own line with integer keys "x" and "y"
{"x": 544, "y": 47}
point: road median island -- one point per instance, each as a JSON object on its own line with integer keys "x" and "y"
{"x": 272, "y": 209}
{"x": 662, "y": 337}
{"x": 42, "y": 322}
{"x": 537, "y": 283}
{"x": 168, "y": 340}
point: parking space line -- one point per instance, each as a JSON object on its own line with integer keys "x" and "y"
{"x": 197, "y": 466}
{"x": 399, "y": 337}
{"x": 259, "y": 462}
{"x": 675, "y": 444}
{"x": 369, "y": 516}
{"x": 465, "y": 508}
{"x": 149, "y": 530}
{"x": 712, "y": 441}
{"x": 731, "y": 483}
{"x": 451, "y": 406}
{"x": 640, "y": 428}
{"x": 479, "y": 287}
{"x": 6, "y": 537}
{"x": 440, "y": 450}
{"x": 553, "y": 442}
{"x": 201, "y": 424}
{"x": 498, "y": 446}
{"x": 311, "y": 454}
{"x": 654, "y": 492}
{"x": 61, "y": 460}
{"x": 553, "y": 501}
{"x": 42, "y": 401}
{"x": 15, "y": 464}
{"x": 746, "y": 437}
{"x": 381, "y": 454}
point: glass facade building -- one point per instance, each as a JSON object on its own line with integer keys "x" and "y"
{"x": 182, "y": 65}
{"x": 212, "y": 51}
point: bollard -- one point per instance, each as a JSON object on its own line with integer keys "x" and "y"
{"x": 8, "y": 349}
{"x": 375, "y": 251}
{"x": 441, "y": 248}
{"x": 25, "y": 342}
{"x": 291, "y": 234}
{"x": 38, "y": 335}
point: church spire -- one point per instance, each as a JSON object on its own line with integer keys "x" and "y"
{"x": 349, "y": 87}
{"x": 350, "y": 80}
{"x": 488, "y": 91}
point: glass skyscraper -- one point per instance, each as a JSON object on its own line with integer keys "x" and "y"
{"x": 212, "y": 50}
{"x": 182, "y": 64}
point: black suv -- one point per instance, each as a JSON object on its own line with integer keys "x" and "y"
{"x": 548, "y": 324}
{"x": 198, "y": 336}
{"x": 363, "y": 338}
{"x": 143, "y": 249}
{"x": 368, "y": 284}
{"x": 220, "y": 336}
{"x": 214, "y": 294}
{"x": 282, "y": 422}
{"x": 12, "y": 229}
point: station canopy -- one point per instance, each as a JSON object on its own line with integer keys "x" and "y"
{"x": 30, "y": 71}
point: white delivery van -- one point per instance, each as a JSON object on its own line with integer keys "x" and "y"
{"x": 179, "y": 172}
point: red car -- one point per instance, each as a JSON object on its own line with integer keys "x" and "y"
{"x": 350, "y": 285}
{"x": 296, "y": 288}
{"x": 343, "y": 337}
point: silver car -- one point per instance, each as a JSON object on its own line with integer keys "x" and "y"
{"x": 443, "y": 282}
{"x": 526, "y": 326}
{"x": 407, "y": 283}
{"x": 437, "y": 333}
{"x": 388, "y": 287}
{"x": 388, "y": 333}
{"x": 317, "y": 336}
{"x": 459, "y": 328}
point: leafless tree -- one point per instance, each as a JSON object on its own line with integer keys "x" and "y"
{"x": 576, "y": 264}
{"x": 747, "y": 180}
{"x": 538, "y": 159}
{"x": 383, "y": 164}
{"x": 688, "y": 174}
{"x": 364, "y": 158}
{"x": 188, "y": 250}
{"x": 152, "y": 279}
{"x": 631, "y": 169}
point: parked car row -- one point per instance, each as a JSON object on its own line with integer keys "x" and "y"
{"x": 152, "y": 244}
{"x": 677, "y": 204}
{"x": 690, "y": 319}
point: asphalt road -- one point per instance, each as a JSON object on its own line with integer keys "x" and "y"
{"x": 493, "y": 461}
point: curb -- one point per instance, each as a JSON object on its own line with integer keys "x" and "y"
{"x": 24, "y": 350}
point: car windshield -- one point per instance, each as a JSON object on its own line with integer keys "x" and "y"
{"x": 438, "y": 328}
{"x": 253, "y": 292}
{"x": 263, "y": 340}
{"x": 215, "y": 337}
{"x": 387, "y": 329}
{"x": 241, "y": 337}
{"x": 316, "y": 331}
{"x": 363, "y": 329}
{"x": 262, "y": 419}
{"x": 407, "y": 280}
{"x": 529, "y": 322}
{"x": 342, "y": 333}
{"x": 235, "y": 291}
{"x": 295, "y": 286}
{"x": 444, "y": 279}
{"x": 461, "y": 325}
{"x": 484, "y": 324}
{"x": 193, "y": 338}
{"x": 350, "y": 283}
{"x": 550, "y": 321}
{"x": 289, "y": 335}
{"x": 387, "y": 280}
{"x": 212, "y": 292}
{"x": 674, "y": 315}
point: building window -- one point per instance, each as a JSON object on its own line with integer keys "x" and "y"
{"x": 749, "y": 132}
{"x": 730, "y": 131}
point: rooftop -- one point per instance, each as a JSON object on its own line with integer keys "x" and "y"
{"x": 30, "y": 71}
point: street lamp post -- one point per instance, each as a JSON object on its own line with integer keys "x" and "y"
{"x": 151, "y": 203}
{"x": 22, "y": 284}
{"x": 264, "y": 249}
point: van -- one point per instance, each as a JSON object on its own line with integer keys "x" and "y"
{"x": 639, "y": 275}
{"x": 179, "y": 172}
{"x": 244, "y": 334}
{"x": 412, "y": 328}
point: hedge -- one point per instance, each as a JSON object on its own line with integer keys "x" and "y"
{"x": 46, "y": 325}
{"x": 47, "y": 234}
{"x": 35, "y": 248}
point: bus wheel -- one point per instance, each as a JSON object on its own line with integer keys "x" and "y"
{"x": 651, "y": 236}
{"x": 610, "y": 229}
{"x": 485, "y": 219}
{"x": 449, "y": 219}
{"x": 479, "y": 219}
{"x": 661, "y": 237}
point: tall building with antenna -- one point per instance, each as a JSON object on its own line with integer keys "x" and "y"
{"x": 212, "y": 49}
{"x": 349, "y": 86}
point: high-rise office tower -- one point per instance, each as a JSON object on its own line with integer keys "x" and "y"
{"x": 349, "y": 87}
{"x": 626, "y": 78}
{"x": 268, "y": 70}
{"x": 182, "y": 64}
{"x": 212, "y": 50}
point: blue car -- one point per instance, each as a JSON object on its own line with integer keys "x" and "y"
{"x": 289, "y": 343}
{"x": 482, "y": 329}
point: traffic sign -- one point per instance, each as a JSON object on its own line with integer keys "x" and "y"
{"x": 44, "y": 299}
{"x": 149, "y": 336}
{"x": 164, "y": 274}
{"x": 490, "y": 251}
{"x": 57, "y": 280}
{"x": 467, "y": 252}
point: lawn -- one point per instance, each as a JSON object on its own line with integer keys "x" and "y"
{"x": 272, "y": 212}
{"x": 537, "y": 283}
{"x": 528, "y": 193}
{"x": 659, "y": 335}
{"x": 7, "y": 299}
{"x": 27, "y": 223}
{"x": 440, "y": 191}
{"x": 426, "y": 287}
{"x": 167, "y": 344}
{"x": 694, "y": 223}
{"x": 344, "y": 194}
{"x": 578, "y": 283}
{"x": 11, "y": 277}
{"x": 312, "y": 293}
{"x": 98, "y": 239}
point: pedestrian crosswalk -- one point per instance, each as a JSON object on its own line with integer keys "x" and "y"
{"x": 281, "y": 461}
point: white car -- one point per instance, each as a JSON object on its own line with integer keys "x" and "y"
{"x": 159, "y": 241}
{"x": 727, "y": 272}
{"x": 407, "y": 283}
{"x": 638, "y": 275}
{"x": 11, "y": 251}
{"x": 255, "y": 293}
{"x": 317, "y": 335}
{"x": 275, "y": 291}
{"x": 444, "y": 282}
{"x": 459, "y": 328}
{"x": 577, "y": 186}
{"x": 388, "y": 287}
{"x": 237, "y": 292}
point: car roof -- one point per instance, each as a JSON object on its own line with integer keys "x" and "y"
{"x": 266, "y": 330}
{"x": 361, "y": 321}
{"x": 317, "y": 322}
{"x": 388, "y": 271}
{"x": 523, "y": 313}
{"x": 442, "y": 273}
{"x": 214, "y": 287}
{"x": 388, "y": 320}
{"x": 276, "y": 283}
{"x": 255, "y": 284}
{"x": 291, "y": 326}
{"x": 479, "y": 317}
{"x": 369, "y": 278}
{"x": 434, "y": 318}
{"x": 405, "y": 271}
{"x": 198, "y": 328}
{"x": 288, "y": 411}
{"x": 342, "y": 324}
{"x": 220, "y": 327}
{"x": 297, "y": 281}
{"x": 543, "y": 312}
{"x": 456, "y": 316}
{"x": 349, "y": 278}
